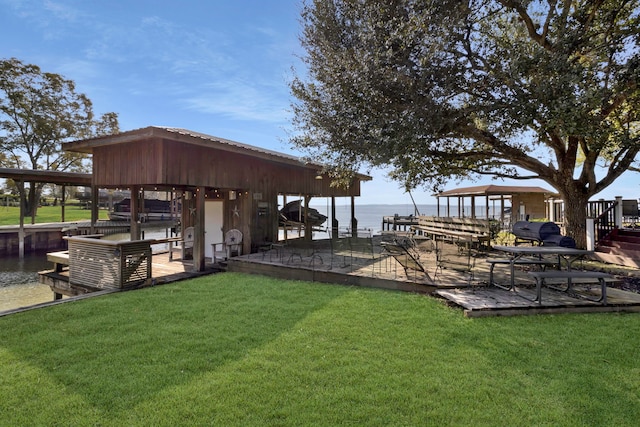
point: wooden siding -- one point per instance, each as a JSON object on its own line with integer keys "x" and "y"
{"x": 167, "y": 163}
{"x": 130, "y": 164}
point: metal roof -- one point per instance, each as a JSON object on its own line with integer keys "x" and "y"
{"x": 493, "y": 190}
{"x": 47, "y": 176}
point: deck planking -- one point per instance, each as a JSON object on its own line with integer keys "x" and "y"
{"x": 475, "y": 300}
{"x": 492, "y": 301}
{"x": 379, "y": 271}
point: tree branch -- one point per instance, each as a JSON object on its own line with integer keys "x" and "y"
{"x": 528, "y": 22}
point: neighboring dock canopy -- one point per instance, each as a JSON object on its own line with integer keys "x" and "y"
{"x": 523, "y": 200}
{"x": 198, "y": 167}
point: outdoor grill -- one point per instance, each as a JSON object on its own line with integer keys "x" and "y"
{"x": 535, "y": 231}
{"x": 545, "y": 233}
{"x": 558, "y": 240}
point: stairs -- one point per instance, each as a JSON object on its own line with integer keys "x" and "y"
{"x": 621, "y": 246}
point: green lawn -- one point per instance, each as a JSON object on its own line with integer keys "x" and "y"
{"x": 10, "y": 215}
{"x": 232, "y": 349}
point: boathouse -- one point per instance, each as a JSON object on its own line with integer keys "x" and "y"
{"x": 512, "y": 203}
{"x": 221, "y": 184}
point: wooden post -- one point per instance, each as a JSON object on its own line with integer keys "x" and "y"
{"x": 134, "y": 224}
{"x": 486, "y": 206}
{"x": 308, "y": 233}
{"x": 284, "y": 203}
{"x": 473, "y": 207}
{"x": 94, "y": 208}
{"x": 617, "y": 212}
{"x": 64, "y": 190}
{"x": 198, "y": 228}
{"x": 354, "y": 221}
{"x": 21, "y": 229}
{"x": 334, "y": 221}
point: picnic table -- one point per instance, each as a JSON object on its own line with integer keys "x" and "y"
{"x": 566, "y": 256}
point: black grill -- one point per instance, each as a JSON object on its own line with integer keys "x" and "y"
{"x": 535, "y": 231}
{"x": 545, "y": 233}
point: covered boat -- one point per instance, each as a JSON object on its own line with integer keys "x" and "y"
{"x": 295, "y": 212}
{"x": 154, "y": 210}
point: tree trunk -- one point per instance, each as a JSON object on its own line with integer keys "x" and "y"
{"x": 575, "y": 217}
{"x": 30, "y": 199}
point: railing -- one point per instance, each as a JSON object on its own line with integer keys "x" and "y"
{"x": 603, "y": 212}
{"x": 105, "y": 264}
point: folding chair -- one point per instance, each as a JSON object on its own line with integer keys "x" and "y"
{"x": 406, "y": 259}
{"x": 454, "y": 254}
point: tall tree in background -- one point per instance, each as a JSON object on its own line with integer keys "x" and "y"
{"x": 38, "y": 112}
{"x": 451, "y": 89}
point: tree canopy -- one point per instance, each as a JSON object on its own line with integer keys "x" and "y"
{"x": 38, "y": 112}
{"x": 450, "y": 89}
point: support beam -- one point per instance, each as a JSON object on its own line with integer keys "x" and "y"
{"x": 94, "y": 208}
{"x": 334, "y": 220}
{"x": 198, "y": 228}
{"x": 62, "y": 200}
{"x": 21, "y": 229}
{"x": 308, "y": 232}
{"x": 354, "y": 221}
{"x": 135, "y": 208}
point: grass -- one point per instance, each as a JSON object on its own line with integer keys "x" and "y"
{"x": 232, "y": 349}
{"x": 10, "y": 215}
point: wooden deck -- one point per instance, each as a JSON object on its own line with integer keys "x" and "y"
{"x": 163, "y": 270}
{"x": 475, "y": 300}
{"x": 373, "y": 269}
{"x": 493, "y": 301}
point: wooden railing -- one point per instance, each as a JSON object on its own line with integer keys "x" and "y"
{"x": 105, "y": 264}
{"x": 603, "y": 212}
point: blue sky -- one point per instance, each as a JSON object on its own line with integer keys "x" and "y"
{"x": 213, "y": 66}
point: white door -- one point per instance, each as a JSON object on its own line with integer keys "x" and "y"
{"x": 212, "y": 225}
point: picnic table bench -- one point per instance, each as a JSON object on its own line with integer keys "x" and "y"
{"x": 541, "y": 262}
{"x": 565, "y": 256}
{"x": 568, "y": 275}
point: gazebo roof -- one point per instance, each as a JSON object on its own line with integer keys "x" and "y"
{"x": 493, "y": 190}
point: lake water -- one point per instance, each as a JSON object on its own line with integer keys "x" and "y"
{"x": 19, "y": 284}
{"x": 370, "y": 216}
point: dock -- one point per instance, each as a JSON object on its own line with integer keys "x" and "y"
{"x": 398, "y": 222}
{"x": 49, "y": 236}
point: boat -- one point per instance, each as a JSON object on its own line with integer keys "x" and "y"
{"x": 295, "y": 212}
{"x": 154, "y": 210}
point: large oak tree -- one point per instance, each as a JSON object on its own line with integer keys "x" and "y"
{"x": 453, "y": 89}
{"x": 38, "y": 112}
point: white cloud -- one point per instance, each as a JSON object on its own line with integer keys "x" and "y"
{"x": 240, "y": 101}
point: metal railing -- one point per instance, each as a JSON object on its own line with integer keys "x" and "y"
{"x": 603, "y": 212}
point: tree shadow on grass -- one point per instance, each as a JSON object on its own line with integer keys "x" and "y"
{"x": 118, "y": 350}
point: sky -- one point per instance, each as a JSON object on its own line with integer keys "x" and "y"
{"x": 220, "y": 67}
